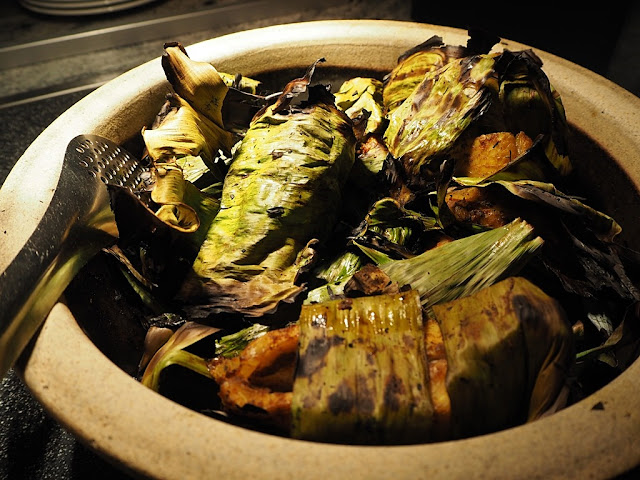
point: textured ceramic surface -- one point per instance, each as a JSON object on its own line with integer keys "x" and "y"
{"x": 153, "y": 437}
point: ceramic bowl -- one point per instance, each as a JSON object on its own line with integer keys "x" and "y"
{"x": 154, "y": 437}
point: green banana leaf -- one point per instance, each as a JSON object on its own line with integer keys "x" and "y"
{"x": 362, "y": 374}
{"x": 418, "y": 61}
{"x": 510, "y": 353}
{"x": 388, "y": 227}
{"x": 183, "y": 133}
{"x": 361, "y": 94}
{"x": 182, "y": 205}
{"x": 532, "y": 105}
{"x": 399, "y": 229}
{"x": 173, "y": 353}
{"x": 335, "y": 275}
{"x": 437, "y": 112}
{"x": 464, "y": 266}
{"x": 279, "y": 199}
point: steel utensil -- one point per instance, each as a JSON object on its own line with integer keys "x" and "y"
{"x": 77, "y": 224}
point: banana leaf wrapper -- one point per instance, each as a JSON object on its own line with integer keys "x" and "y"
{"x": 509, "y": 352}
{"x": 336, "y": 274}
{"x": 199, "y": 83}
{"x": 159, "y": 239}
{"x": 184, "y": 133}
{"x": 362, "y": 94}
{"x": 362, "y": 374}
{"x": 361, "y": 100}
{"x": 431, "y": 55}
{"x": 280, "y": 197}
{"x": 241, "y": 83}
{"x": 387, "y": 227}
{"x": 603, "y": 226}
{"x": 395, "y": 229}
{"x": 580, "y": 250}
{"x": 181, "y": 204}
{"x": 370, "y": 162}
{"x": 532, "y": 105}
{"x": 437, "y": 112}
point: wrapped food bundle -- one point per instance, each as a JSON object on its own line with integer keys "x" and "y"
{"x": 369, "y": 261}
{"x": 290, "y": 167}
{"x": 377, "y": 370}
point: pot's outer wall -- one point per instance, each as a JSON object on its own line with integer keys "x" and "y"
{"x": 148, "y": 435}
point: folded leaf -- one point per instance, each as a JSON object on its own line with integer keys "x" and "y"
{"x": 280, "y": 196}
{"x": 173, "y": 353}
{"x": 437, "y": 112}
{"x": 362, "y": 374}
{"x": 509, "y": 355}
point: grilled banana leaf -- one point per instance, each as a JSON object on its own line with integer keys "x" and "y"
{"x": 509, "y": 351}
{"x": 532, "y": 105}
{"x": 437, "y": 112}
{"x": 336, "y": 274}
{"x": 395, "y": 229}
{"x": 199, "y": 83}
{"x": 359, "y": 95}
{"x": 181, "y": 204}
{"x": 580, "y": 249}
{"x": 362, "y": 375}
{"x": 418, "y": 61}
{"x": 191, "y": 138}
{"x": 279, "y": 198}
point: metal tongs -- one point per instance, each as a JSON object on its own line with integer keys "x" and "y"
{"x": 77, "y": 224}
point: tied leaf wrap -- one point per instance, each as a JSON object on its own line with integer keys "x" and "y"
{"x": 438, "y": 110}
{"x": 362, "y": 375}
{"x": 509, "y": 352}
{"x": 280, "y": 196}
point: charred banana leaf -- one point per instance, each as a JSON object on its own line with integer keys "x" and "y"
{"x": 437, "y": 112}
{"x": 189, "y": 137}
{"x": 532, "y": 105}
{"x": 361, "y": 99}
{"x": 336, "y": 274}
{"x": 199, "y": 83}
{"x": 359, "y": 95}
{"x": 362, "y": 375}
{"x": 181, "y": 204}
{"x": 395, "y": 229}
{"x": 427, "y": 57}
{"x": 509, "y": 355}
{"x": 280, "y": 196}
{"x": 579, "y": 240}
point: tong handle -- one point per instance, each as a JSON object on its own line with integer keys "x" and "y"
{"x": 76, "y": 225}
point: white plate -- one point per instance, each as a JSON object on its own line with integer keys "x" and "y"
{"x": 81, "y": 8}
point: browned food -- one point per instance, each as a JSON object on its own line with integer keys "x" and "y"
{"x": 480, "y": 206}
{"x": 258, "y": 383}
{"x": 491, "y": 152}
{"x": 512, "y": 324}
{"x": 437, "y": 364}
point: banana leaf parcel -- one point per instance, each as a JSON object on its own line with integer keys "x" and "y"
{"x": 280, "y": 197}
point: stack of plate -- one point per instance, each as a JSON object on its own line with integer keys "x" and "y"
{"x": 80, "y": 7}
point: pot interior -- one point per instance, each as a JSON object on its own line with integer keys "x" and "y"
{"x": 112, "y": 316}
